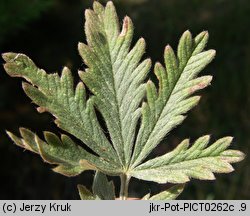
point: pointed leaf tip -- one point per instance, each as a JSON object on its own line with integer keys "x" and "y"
{"x": 240, "y": 155}
{"x": 65, "y": 69}
{"x": 52, "y": 138}
{"x": 229, "y": 138}
{"x": 8, "y": 133}
{"x": 201, "y": 36}
{"x": 158, "y": 65}
{"x": 87, "y": 13}
{"x": 142, "y": 41}
{"x": 208, "y": 78}
{"x": 41, "y": 109}
{"x": 126, "y": 23}
{"x": 168, "y": 48}
{"x": 205, "y": 81}
{"x": 84, "y": 193}
{"x": 97, "y": 5}
{"x": 25, "y": 85}
{"x": 233, "y": 156}
{"x": 146, "y": 197}
{"x": 24, "y": 130}
{"x": 205, "y": 34}
{"x": 213, "y": 52}
{"x": 80, "y": 46}
{"x": 110, "y": 3}
{"x": 187, "y": 35}
{"x": 187, "y": 32}
{"x": 15, "y": 139}
{"x": 9, "y": 56}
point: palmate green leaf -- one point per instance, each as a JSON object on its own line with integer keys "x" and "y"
{"x": 115, "y": 76}
{"x": 183, "y": 163}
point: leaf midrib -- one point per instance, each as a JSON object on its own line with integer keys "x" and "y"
{"x": 174, "y": 163}
{"x": 121, "y": 157}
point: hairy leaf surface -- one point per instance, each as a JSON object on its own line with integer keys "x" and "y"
{"x": 138, "y": 114}
{"x": 114, "y": 75}
{"x": 70, "y": 158}
{"x": 74, "y": 113}
{"x": 183, "y": 163}
{"x": 165, "y": 108}
{"x": 102, "y": 187}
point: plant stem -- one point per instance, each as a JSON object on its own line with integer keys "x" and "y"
{"x": 124, "y": 186}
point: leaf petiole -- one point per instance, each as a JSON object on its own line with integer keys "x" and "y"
{"x": 124, "y": 186}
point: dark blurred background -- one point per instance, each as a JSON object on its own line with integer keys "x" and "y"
{"x": 48, "y": 31}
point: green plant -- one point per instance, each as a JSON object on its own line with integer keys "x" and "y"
{"x": 115, "y": 78}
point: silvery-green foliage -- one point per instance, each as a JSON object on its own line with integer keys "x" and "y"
{"x": 102, "y": 189}
{"x": 116, "y": 76}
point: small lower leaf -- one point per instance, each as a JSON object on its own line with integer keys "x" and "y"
{"x": 85, "y": 194}
{"x": 102, "y": 187}
{"x": 170, "y": 194}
